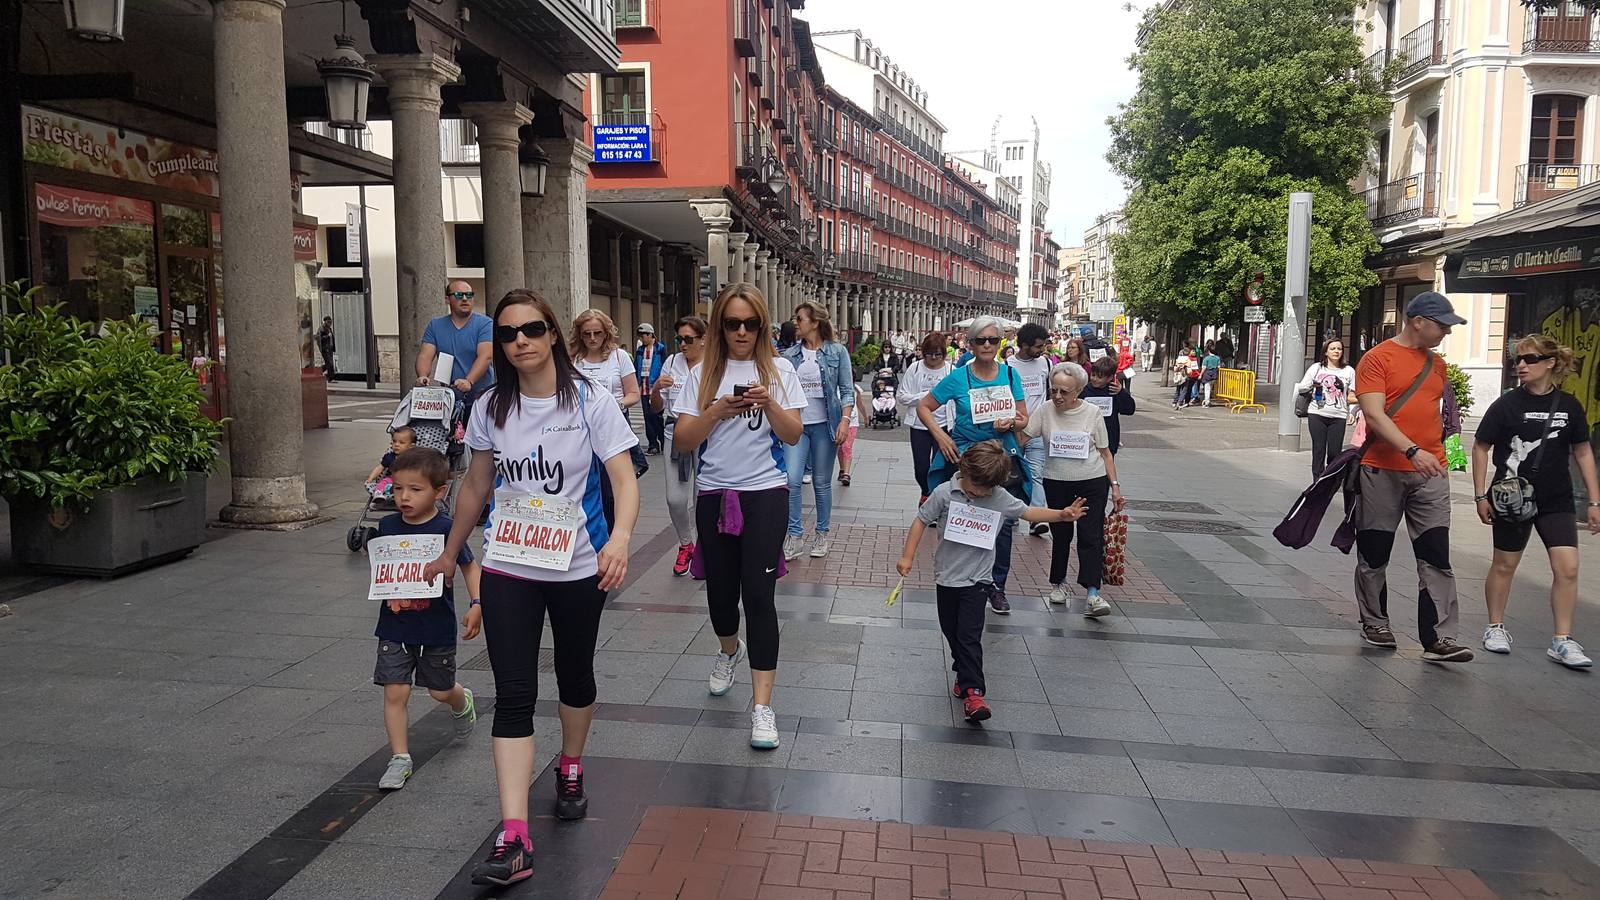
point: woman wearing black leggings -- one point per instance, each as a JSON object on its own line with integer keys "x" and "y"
{"x": 1330, "y": 383}
{"x": 919, "y": 379}
{"x": 739, "y": 406}
{"x": 537, "y": 442}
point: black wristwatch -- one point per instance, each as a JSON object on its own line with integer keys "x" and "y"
{"x": 1411, "y": 453}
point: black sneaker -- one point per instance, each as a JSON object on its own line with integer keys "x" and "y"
{"x": 1040, "y": 529}
{"x": 508, "y": 863}
{"x": 1446, "y": 650}
{"x": 1378, "y": 636}
{"x": 571, "y": 804}
{"x": 998, "y": 601}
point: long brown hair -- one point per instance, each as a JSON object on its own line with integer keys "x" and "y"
{"x": 1545, "y": 345}
{"x": 577, "y": 349}
{"x": 819, "y": 315}
{"x": 506, "y": 386}
{"x": 714, "y": 360}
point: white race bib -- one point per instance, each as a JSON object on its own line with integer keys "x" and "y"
{"x": 1103, "y": 402}
{"x": 397, "y": 562}
{"x": 972, "y": 525}
{"x": 538, "y": 531}
{"x": 991, "y": 404}
{"x": 1096, "y": 354}
{"x": 1069, "y": 444}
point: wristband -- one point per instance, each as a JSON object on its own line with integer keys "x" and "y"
{"x": 1486, "y": 496}
{"x": 473, "y": 602}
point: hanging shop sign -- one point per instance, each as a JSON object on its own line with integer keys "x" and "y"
{"x": 77, "y": 208}
{"x": 56, "y": 139}
{"x": 1537, "y": 259}
{"x": 622, "y": 144}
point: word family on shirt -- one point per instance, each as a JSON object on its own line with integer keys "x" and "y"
{"x": 742, "y": 453}
{"x": 553, "y": 456}
{"x": 609, "y": 372}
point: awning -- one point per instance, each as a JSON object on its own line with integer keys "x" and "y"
{"x": 1577, "y": 208}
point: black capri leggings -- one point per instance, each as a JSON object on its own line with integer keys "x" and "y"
{"x": 513, "y": 624}
{"x": 1327, "y": 440}
{"x": 1091, "y": 529}
{"x": 922, "y": 450}
{"x": 744, "y": 568}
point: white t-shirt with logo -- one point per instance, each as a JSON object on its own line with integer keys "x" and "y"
{"x": 1035, "y": 379}
{"x": 548, "y": 451}
{"x": 742, "y": 453}
{"x": 609, "y": 372}
{"x": 677, "y": 368}
{"x": 810, "y": 372}
{"x": 915, "y": 384}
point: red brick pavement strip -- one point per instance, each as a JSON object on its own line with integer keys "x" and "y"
{"x": 686, "y": 853}
{"x": 865, "y": 556}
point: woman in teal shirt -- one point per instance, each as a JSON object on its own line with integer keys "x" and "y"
{"x": 989, "y": 406}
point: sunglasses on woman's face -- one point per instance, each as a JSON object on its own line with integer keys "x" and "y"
{"x": 1062, "y": 392}
{"x": 1529, "y": 359}
{"x": 991, "y": 341}
{"x": 752, "y": 324}
{"x": 532, "y": 330}
{"x": 687, "y": 338}
{"x": 593, "y": 335}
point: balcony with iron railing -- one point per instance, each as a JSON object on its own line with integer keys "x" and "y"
{"x": 1422, "y": 49}
{"x": 458, "y": 142}
{"x": 1406, "y": 200}
{"x": 1541, "y": 181}
{"x": 746, "y": 28}
{"x": 361, "y": 139}
{"x": 1566, "y": 29}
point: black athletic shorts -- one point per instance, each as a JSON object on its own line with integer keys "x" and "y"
{"x": 1556, "y": 529}
{"x": 430, "y": 667}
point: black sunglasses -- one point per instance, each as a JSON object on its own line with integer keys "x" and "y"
{"x": 1529, "y": 359}
{"x": 462, "y": 295}
{"x": 687, "y": 338}
{"x": 752, "y": 324}
{"x": 986, "y": 340}
{"x": 507, "y": 334}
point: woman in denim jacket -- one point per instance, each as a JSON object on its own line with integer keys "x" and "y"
{"x": 825, "y": 376}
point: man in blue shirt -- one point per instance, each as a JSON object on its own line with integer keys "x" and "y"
{"x": 468, "y": 337}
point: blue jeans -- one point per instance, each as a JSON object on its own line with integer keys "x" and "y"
{"x": 816, "y": 448}
{"x": 1034, "y": 454}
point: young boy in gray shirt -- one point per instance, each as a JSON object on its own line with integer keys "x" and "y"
{"x": 969, "y": 512}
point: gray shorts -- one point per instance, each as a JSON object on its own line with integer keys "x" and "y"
{"x": 433, "y": 667}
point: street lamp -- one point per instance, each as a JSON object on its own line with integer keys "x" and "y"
{"x": 773, "y": 175}
{"x": 346, "y": 79}
{"x": 534, "y": 167}
{"x": 94, "y": 20}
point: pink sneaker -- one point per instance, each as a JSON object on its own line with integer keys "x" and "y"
{"x": 685, "y": 555}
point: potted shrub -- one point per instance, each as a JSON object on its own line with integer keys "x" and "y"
{"x": 103, "y": 448}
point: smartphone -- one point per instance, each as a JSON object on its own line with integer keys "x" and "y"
{"x": 739, "y": 389}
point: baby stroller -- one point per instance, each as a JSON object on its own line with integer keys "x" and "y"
{"x": 438, "y": 420}
{"x": 884, "y": 411}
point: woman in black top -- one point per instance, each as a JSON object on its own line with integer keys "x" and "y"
{"x": 1515, "y": 430}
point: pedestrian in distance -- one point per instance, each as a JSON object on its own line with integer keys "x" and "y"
{"x": 467, "y": 336}
{"x": 1112, "y": 397}
{"x": 740, "y": 406}
{"x": 539, "y": 441}
{"x": 328, "y": 345}
{"x": 1529, "y": 433}
{"x": 1186, "y": 368}
{"x": 1075, "y": 352}
{"x": 823, "y": 366}
{"x": 417, "y": 637}
{"x": 1400, "y": 385}
{"x": 847, "y": 447}
{"x": 1148, "y": 354}
{"x": 919, "y": 380}
{"x": 593, "y": 349}
{"x": 649, "y": 356}
{"x": 690, "y": 336}
{"x": 1210, "y": 367}
{"x": 971, "y": 512}
{"x": 1329, "y": 382}
{"x": 990, "y": 405}
{"x": 1078, "y": 466}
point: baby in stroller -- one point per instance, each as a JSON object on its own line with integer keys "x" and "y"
{"x": 884, "y": 411}
{"x": 378, "y": 482}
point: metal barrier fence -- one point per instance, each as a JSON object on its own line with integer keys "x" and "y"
{"x": 1238, "y": 388}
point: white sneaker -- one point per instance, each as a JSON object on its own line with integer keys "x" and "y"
{"x": 1094, "y": 608}
{"x": 722, "y": 666}
{"x": 793, "y": 546}
{"x": 806, "y": 479}
{"x": 394, "y": 777}
{"x": 1061, "y": 595}
{"x": 820, "y": 548}
{"x": 763, "y": 728}
{"x": 1496, "y": 639}
{"x": 1569, "y": 653}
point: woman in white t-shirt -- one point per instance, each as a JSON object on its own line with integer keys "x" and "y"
{"x": 1330, "y": 383}
{"x": 919, "y": 379}
{"x": 740, "y": 406}
{"x": 1078, "y": 463}
{"x": 593, "y": 348}
{"x": 540, "y": 438}
{"x": 691, "y": 334}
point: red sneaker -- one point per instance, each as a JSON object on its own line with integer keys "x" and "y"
{"x": 685, "y": 553}
{"x": 974, "y": 708}
{"x": 959, "y": 691}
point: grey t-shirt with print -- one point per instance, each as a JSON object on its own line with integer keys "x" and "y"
{"x": 957, "y": 564}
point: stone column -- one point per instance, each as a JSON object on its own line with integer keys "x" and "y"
{"x": 555, "y": 230}
{"x": 414, "y": 80}
{"x": 763, "y": 276}
{"x": 714, "y": 214}
{"x": 266, "y": 443}
{"x": 748, "y": 251}
{"x": 498, "y": 142}
{"x": 736, "y": 269}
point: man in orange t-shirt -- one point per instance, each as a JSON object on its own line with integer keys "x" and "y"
{"x": 1403, "y": 475}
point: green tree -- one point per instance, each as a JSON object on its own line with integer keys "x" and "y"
{"x": 1241, "y": 102}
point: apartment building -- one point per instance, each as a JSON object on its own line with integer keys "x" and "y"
{"x": 1069, "y": 266}
{"x": 1097, "y": 281}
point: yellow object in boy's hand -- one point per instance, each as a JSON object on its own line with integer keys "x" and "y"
{"x": 895, "y": 594}
{"x": 903, "y": 566}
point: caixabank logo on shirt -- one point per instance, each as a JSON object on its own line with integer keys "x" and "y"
{"x": 536, "y": 466}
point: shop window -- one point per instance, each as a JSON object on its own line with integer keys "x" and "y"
{"x": 468, "y": 238}
{"x": 337, "y": 257}
{"x": 97, "y": 254}
{"x": 185, "y": 226}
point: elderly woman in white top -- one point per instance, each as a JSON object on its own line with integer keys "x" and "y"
{"x": 1078, "y": 463}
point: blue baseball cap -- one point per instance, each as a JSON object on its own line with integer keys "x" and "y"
{"x": 1436, "y": 306}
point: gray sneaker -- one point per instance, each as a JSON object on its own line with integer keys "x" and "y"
{"x": 793, "y": 546}
{"x": 468, "y": 716}
{"x": 394, "y": 777}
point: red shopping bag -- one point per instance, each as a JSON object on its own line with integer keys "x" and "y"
{"x": 1116, "y": 567}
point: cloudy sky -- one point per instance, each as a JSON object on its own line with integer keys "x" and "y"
{"x": 1063, "y": 62}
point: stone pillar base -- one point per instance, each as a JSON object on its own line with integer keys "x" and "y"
{"x": 272, "y": 503}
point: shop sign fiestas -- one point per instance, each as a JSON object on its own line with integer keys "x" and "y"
{"x": 67, "y": 142}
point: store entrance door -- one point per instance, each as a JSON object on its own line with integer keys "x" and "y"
{"x": 187, "y": 282}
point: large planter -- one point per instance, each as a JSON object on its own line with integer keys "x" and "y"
{"x": 143, "y": 524}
